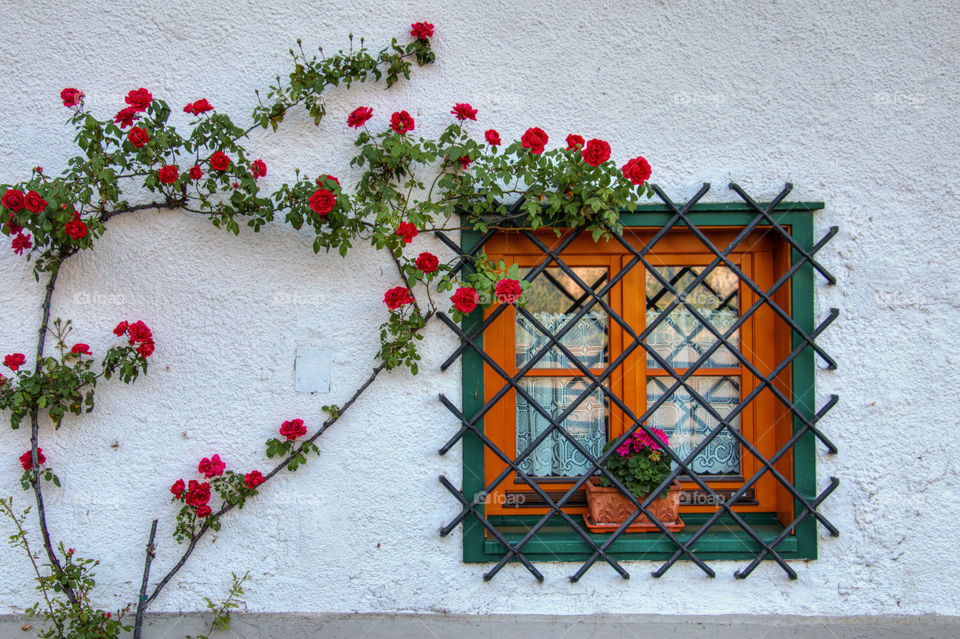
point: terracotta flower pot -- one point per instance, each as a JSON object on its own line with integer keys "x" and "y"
{"x": 608, "y": 507}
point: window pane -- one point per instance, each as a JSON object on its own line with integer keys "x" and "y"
{"x": 553, "y": 299}
{"x": 687, "y": 422}
{"x": 556, "y": 456}
{"x": 680, "y": 338}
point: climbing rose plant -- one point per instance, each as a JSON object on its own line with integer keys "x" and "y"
{"x": 409, "y": 184}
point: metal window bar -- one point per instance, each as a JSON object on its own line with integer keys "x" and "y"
{"x": 680, "y": 216}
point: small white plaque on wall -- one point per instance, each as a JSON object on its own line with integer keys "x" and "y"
{"x": 312, "y": 370}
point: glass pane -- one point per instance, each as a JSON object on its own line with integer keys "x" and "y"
{"x": 553, "y": 298}
{"x": 680, "y": 338}
{"x": 556, "y": 456}
{"x": 687, "y": 422}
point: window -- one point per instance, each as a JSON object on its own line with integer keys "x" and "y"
{"x": 634, "y": 323}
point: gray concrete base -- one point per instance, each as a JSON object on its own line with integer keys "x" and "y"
{"x": 410, "y": 626}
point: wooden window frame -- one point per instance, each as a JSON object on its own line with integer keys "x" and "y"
{"x": 773, "y": 505}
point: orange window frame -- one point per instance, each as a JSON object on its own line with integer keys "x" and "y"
{"x": 765, "y": 423}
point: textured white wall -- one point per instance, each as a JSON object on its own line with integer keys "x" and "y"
{"x": 854, "y": 103}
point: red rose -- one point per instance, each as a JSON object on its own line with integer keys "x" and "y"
{"x": 259, "y": 168}
{"x": 139, "y": 99}
{"x": 322, "y": 180}
{"x": 169, "y": 174}
{"x": 464, "y": 161}
{"x": 219, "y": 161}
{"x": 407, "y": 231}
{"x": 195, "y": 173}
{"x": 596, "y": 152}
{"x": 637, "y": 170}
{"x": 26, "y": 459}
{"x": 465, "y": 299}
{"x": 20, "y": 242}
{"x": 3, "y": 380}
{"x": 322, "y": 202}
{"x": 235, "y": 185}
{"x": 203, "y": 511}
{"x": 126, "y": 117}
{"x": 120, "y": 329}
{"x": 253, "y": 479}
{"x": 71, "y": 97}
{"x": 397, "y": 297}
{"x": 138, "y": 137}
{"x": 508, "y": 291}
{"x": 358, "y": 116}
{"x": 292, "y": 429}
{"x": 178, "y": 488}
{"x": 14, "y": 361}
{"x": 492, "y": 137}
{"x": 75, "y": 228}
{"x": 211, "y": 467}
{"x": 38, "y": 169}
{"x": 534, "y": 139}
{"x": 12, "y": 225}
{"x": 198, "y": 494}
{"x": 34, "y": 202}
{"x": 401, "y": 122}
{"x": 421, "y": 30}
{"x": 427, "y": 262}
{"x": 574, "y": 141}
{"x": 464, "y": 111}
{"x": 198, "y": 107}
{"x": 81, "y": 349}
{"x": 13, "y": 199}
{"x": 138, "y": 332}
{"x": 145, "y": 348}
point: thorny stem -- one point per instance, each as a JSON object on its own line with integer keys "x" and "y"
{"x": 142, "y": 600}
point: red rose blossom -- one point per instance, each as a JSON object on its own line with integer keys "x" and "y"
{"x": 203, "y": 512}
{"x": 464, "y": 161}
{"x": 198, "y": 494}
{"x": 12, "y": 225}
{"x": 401, "y": 122}
{"x": 126, "y": 117}
{"x": 138, "y": 332}
{"x": 322, "y": 180}
{"x": 253, "y": 479}
{"x": 397, "y": 297}
{"x": 292, "y": 429}
{"x": 259, "y": 168}
{"x": 534, "y": 139}
{"x": 407, "y": 231}
{"x": 596, "y": 152}
{"x": 14, "y": 361}
{"x": 34, "y": 202}
{"x": 358, "y": 116}
{"x": 465, "y": 299}
{"x": 211, "y": 467}
{"x": 178, "y": 488}
{"x": 219, "y": 161}
{"x": 13, "y": 199}
{"x": 81, "y": 349}
{"x": 138, "y": 137}
{"x": 637, "y": 170}
{"x": 75, "y": 228}
{"x": 508, "y": 291}
{"x": 574, "y": 141}
{"x": 492, "y": 137}
{"x": 198, "y": 107}
{"x": 145, "y": 348}
{"x": 120, "y": 329}
{"x": 139, "y": 99}
{"x": 20, "y": 242}
{"x": 427, "y": 262}
{"x": 26, "y": 459}
{"x": 464, "y": 111}
{"x": 195, "y": 172}
{"x": 169, "y": 174}
{"x": 71, "y": 97}
{"x": 322, "y": 202}
{"x": 421, "y": 30}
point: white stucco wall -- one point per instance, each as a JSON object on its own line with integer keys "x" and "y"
{"x": 854, "y": 103}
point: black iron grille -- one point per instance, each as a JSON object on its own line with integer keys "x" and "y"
{"x": 674, "y": 292}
